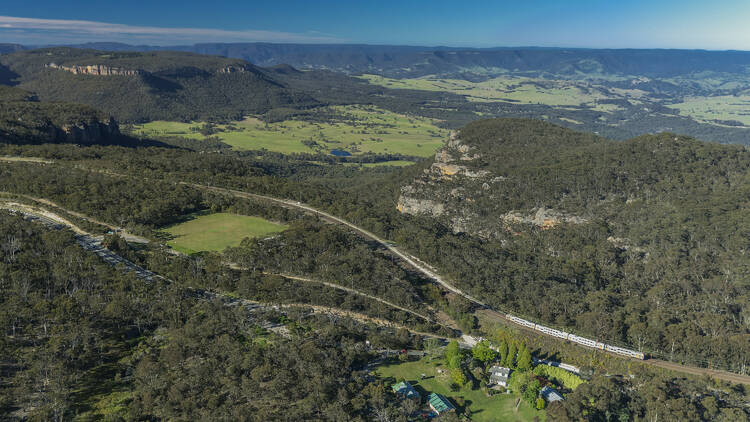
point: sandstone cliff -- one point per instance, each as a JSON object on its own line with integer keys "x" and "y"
{"x": 97, "y": 70}
{"x": 458, "y": 190}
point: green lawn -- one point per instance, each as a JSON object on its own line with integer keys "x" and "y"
{"x": 215, "y": 232}
{"x": 354, "y": 128}
{"x": 500, "y": 407}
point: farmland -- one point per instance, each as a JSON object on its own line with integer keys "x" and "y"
{"x": 717, "y": 108}
{"x": 355, "y": 129}
{"x": 215, "y": 232}
{"x": 515, "y": 90}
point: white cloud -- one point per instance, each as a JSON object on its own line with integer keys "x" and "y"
{"x": 59, "y": 30}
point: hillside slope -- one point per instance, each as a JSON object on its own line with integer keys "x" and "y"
{"x": 151, "y": 86}
{"x": 24, "y": 120}
{"x": 641, "y": 242}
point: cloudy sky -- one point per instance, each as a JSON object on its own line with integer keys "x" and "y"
{"x": 720, "y": 24}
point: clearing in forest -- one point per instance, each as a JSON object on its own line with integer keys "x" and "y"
{"x": 215, "y": 232}
{"x": 499, "y": 407}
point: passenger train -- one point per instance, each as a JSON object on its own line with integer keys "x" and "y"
{"x": 574, "y": 338}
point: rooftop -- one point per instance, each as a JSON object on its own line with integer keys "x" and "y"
{"x": 440, "y": 403}
{"x": 499, "y": 370}
{"x": 550, "y": 394}
{"x": 405, "y": 389}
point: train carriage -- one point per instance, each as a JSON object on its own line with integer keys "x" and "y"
{"x": 521, "y": 321}
{"x": 625, "y": 352}
{"x": 552, "y": 331}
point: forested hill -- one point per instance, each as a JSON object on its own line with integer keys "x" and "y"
{"x": 150, "y": 86}
{"x": 25, "y": 120}
{"x": 640, "y": 242}
{"x": 10, "y": 48}
{"x": 409, "y": 61}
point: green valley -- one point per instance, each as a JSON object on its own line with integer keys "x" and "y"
{"x": 355, "y": 129}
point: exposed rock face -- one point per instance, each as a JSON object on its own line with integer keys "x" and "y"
{"x": 232, "y": 69}
{"x": 103, "y": 70}
{"x": 545, "y": 218}
{"x": 97, "y": 70}
{"x": 409, "y": 205}
{"x": 87, "y": 132}
{"x": 458, "y": 191}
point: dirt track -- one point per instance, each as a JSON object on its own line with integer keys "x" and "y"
{"x": 421, "y": 267}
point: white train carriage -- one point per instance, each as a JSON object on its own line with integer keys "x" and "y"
{"x": 521, "y": 321}
{"x": 586, "y": 342}
{"x": 624, "y": 352}
{"x": 552, "y": 331}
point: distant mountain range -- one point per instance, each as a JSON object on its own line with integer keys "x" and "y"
{"x": 409, "y": 61}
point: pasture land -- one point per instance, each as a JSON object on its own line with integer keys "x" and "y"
{"x": 499, "y": 407}
{"x": 722, "y": 108}
{"x": 517, "y": 90}
{"x": 215, "y": 232}
{"x": 354, "y": 128}
{"x": 394, "y": 163}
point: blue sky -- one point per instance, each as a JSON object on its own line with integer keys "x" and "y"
{"x": 719, "y": 24}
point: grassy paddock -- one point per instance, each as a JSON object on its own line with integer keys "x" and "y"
{"x": 726, "y": 107}
{"x": 515, "y": 90}
{"x": 500, "y": 407}
{"x": 215, "y": 232}
{"x": 354, "y": 128}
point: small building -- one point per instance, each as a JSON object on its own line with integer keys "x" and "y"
{"x": 439, "y": 404}
{"x": 404, "y": 390}
{"x": 499, "y": 376}
{"x": 550, "y": 394}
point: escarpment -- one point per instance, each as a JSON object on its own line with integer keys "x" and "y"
{"x": 465, "y": 189}
{"x": 24, "y": 119}
{"x": 97, "y": 70}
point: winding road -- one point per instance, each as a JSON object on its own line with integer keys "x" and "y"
{"x": 93, "y": 244}
{"x": 420, "y": 267}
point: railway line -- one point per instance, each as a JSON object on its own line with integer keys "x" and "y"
{"x": 432, "y": 274}
{"x": 93, "y": 244}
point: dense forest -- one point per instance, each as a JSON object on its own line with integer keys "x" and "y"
{"x": 151, "y": 86}
{"x": 659, "y": 246}
{"x": 640, "y": 242}
{"x": 25, "y": 120}
{"x": 82, "y": 339}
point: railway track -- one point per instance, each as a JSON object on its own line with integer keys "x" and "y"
{"x": 431, "y": 273}
{"x": 93, "y": 244}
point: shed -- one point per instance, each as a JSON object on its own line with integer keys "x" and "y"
{"x": 440, "y": 404}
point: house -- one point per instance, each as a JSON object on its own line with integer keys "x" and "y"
{"x": 550, "y": 394}
{"x": 404, "y": 390}
{"x": 439, "y": 404}
{"x": 499, "y": 376}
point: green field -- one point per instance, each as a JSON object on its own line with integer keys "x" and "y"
{"x": 394, "y": 163}
{"x": 215, "y": 232}
{"x": 500, "y": 407}
{"x": 514, "y": 90}
{"x": 355, "y": 128}
{"x": 725, "y": 107}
